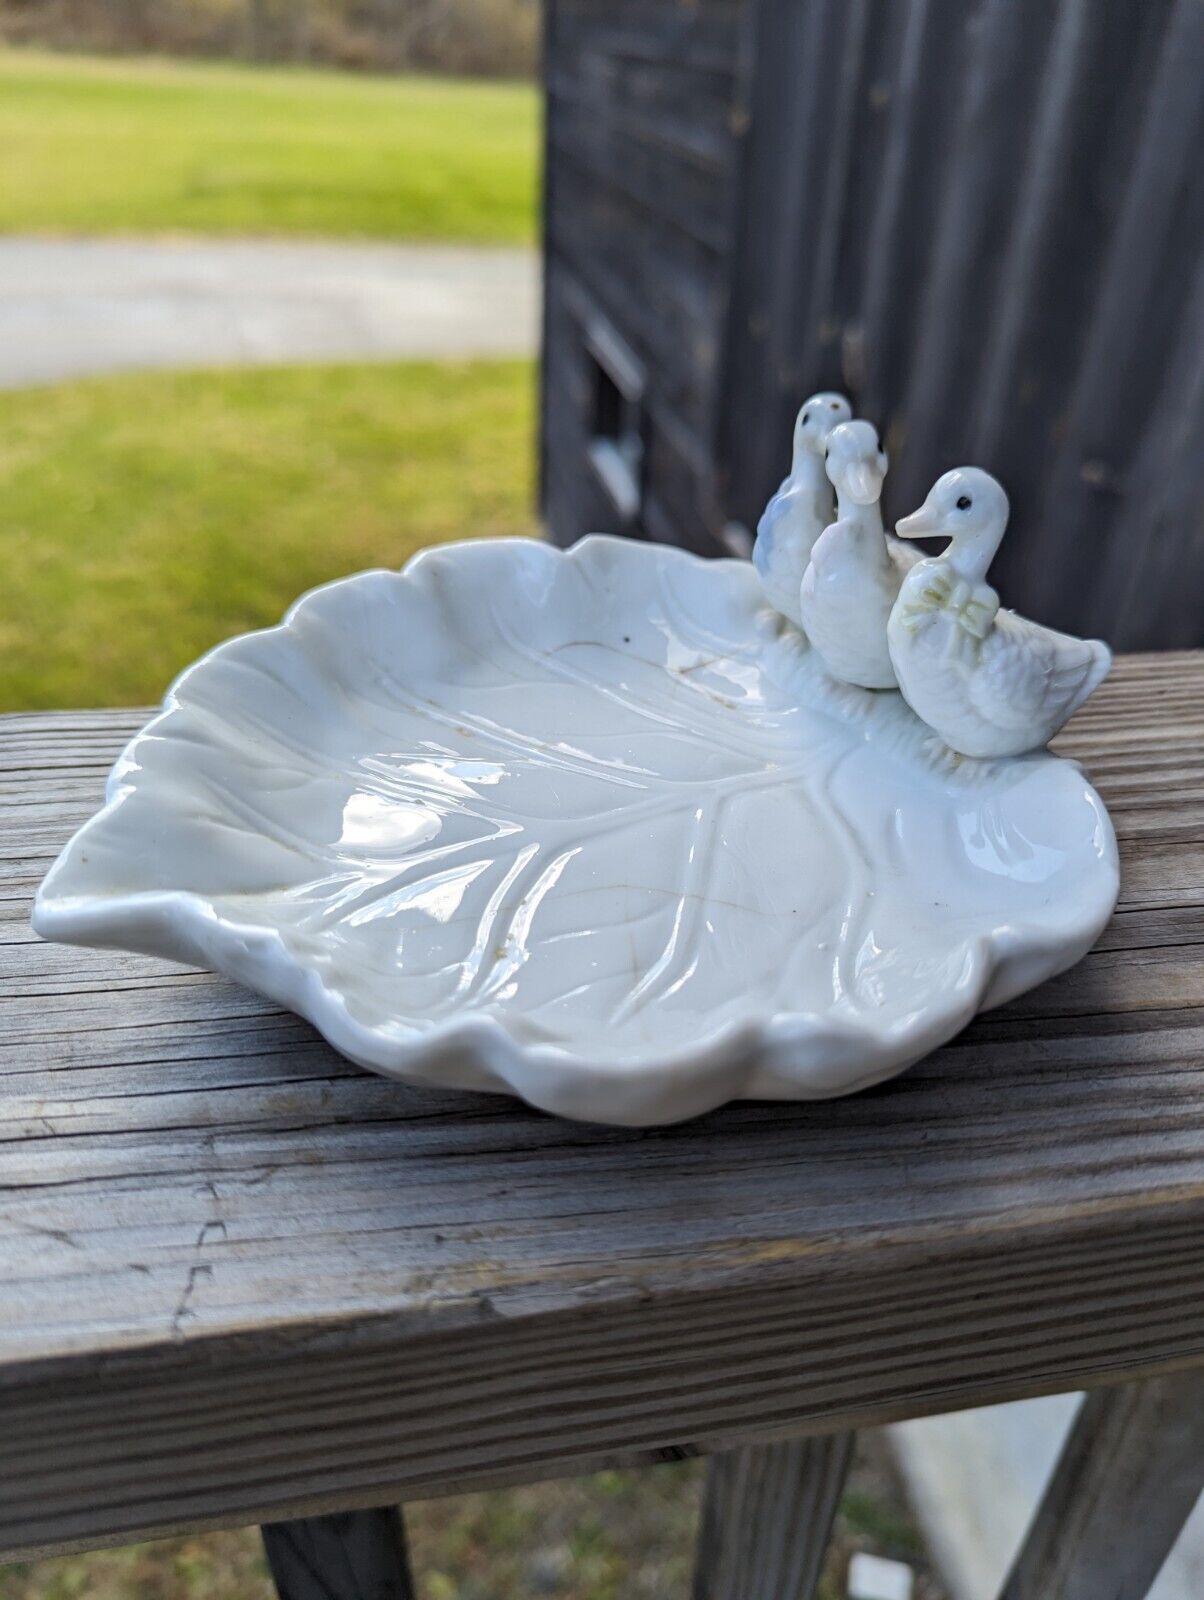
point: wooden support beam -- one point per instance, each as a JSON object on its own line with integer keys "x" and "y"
{"x": 767, "y": 1518}
{"x": 1128, "y": 1476}
{"x": 353, "y": 1555}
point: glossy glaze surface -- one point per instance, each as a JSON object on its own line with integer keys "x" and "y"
{"x": 991, "y": 683}
{"x": 593, "y": 826}
{"x": 802, "y": 506}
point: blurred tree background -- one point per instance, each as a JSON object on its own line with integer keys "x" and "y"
{"x": 486, "y": 38}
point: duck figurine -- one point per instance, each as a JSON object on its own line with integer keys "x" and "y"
{"x": 801, "y": 509}
{"x": 989, "y": 682}
{"x": 853, "y": 577}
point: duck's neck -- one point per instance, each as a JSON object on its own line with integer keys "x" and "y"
{"x": 970, "y": 554}
{"x": 868, "y": 520}
{"x": 809, "y": 478}
{"x": 806, "y": 468}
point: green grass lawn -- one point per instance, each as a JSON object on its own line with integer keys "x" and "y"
{"x": 92, "y": 145}
{"x": 144, "y": 518}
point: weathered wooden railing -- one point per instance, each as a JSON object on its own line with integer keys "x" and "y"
{"x": 242, "y": 1281}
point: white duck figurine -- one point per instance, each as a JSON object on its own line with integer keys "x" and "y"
{"x": 801, "y": 509}
{"x": 854, "y": 574}
{"x": 989, "y": 682}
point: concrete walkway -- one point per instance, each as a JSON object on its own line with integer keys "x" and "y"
{"x": 976, "y": 1478}
{"x": 73, "y": 307}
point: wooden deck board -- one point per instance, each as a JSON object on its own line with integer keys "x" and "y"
{"x": 240, "y": 1279}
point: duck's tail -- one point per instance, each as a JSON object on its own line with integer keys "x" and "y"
{"x": 1099, "y": 664}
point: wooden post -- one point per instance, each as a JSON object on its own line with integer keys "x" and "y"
{"x": 767, "y": 1518}
{"x": 1128, "y": 1476}
{"x": 353, "y": 1555}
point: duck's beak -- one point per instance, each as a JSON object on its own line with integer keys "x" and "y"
{"x": 921, "y": 524}
{"x": 863, "y": 482}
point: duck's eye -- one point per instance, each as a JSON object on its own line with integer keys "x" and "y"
{"x": 835, "y": 404}
{"x": 806, "y": 418}
{"x": 963, "y": 502}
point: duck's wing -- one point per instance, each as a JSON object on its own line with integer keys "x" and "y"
{"x": 903, "y": 553}
{"x": 776, "y": 507}
{"x": 1029, "y": 675}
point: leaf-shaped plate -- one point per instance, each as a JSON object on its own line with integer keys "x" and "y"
{"x": 590, "y": 826}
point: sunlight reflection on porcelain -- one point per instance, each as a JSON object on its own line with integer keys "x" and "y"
{"x": 583, "y": 826}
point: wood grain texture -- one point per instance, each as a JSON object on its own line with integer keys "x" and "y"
{"x": 643, "y": 125}
{"x": 348, "y": 1555}
{"x": 1129, "y": 1474}
{"x": 244, "y": 1281}
{"x": 767, "y": 1518}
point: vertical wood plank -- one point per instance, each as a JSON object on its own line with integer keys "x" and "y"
{"x": 977, "y": 194}
{"x": 354, "y": 1555}
{"x": 1066, "y": 78}
{"x": 767, "y": 1518}
{"x": 1138, "y": 580}
{"x": 848, "y": 56}
{"x": 893, "y": 220}
{"x": 1131, "y": 327}
{"x": 770, "y": 268}
{"x": 1129, "y": 1474}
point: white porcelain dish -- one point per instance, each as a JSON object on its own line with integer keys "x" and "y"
{"x": 592, "y": 827}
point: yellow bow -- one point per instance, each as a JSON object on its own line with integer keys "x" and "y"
{"x": 971, "y": 606}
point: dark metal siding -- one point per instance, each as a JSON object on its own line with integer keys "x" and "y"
{"x": 984, "y": 219}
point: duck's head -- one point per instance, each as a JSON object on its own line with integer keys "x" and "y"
{"x": 856, "y": 463}
{"x": 969, "y": 508}
{"x": 964, "y": 501}
{"x": 816, "y": 419}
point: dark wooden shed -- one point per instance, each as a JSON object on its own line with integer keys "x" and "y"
{"x": 983, "y": 219}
